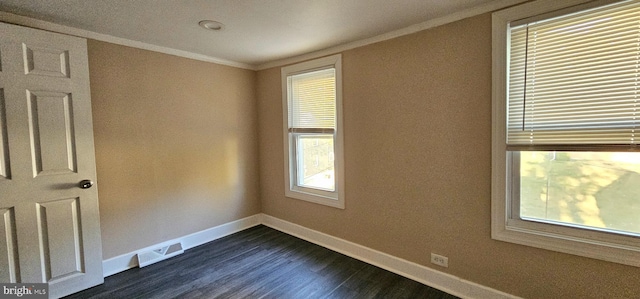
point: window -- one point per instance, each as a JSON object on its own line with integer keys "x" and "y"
{"x": 312, "y": 105}
{"x": 566, "y": 128}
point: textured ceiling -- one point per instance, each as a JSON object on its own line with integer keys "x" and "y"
{"x": 255, "y": 32}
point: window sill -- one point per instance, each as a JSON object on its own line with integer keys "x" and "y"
{"x": 602, "y": 250}
{"x": 315, "y": 198}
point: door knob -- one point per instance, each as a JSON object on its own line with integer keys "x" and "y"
{"x": 86, "y": 184}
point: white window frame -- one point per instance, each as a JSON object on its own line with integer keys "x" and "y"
{"x": 506, "y": 224}
{"x": 330, "y": 198}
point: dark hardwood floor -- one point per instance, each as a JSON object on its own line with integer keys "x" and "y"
{"x": 260, "y": 262}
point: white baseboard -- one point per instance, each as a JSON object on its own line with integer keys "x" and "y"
{"x": 436, "y": 279}
{"x": 128, "y": 260}
{"x": 433, "y": 278}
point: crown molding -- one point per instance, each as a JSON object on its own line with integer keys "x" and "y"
{"x": 474, "y": 11}
{"x": 48, "y": 26}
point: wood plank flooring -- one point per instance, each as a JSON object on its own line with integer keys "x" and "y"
{"x": 260, "y": 262}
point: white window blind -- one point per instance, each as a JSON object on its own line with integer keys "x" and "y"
{"x": 575, "y": 79}
{"x": 312, "y": 106}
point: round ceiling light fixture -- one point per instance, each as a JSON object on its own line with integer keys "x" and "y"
{"x": 211, "y": 25}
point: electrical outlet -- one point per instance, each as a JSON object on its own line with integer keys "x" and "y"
{"x": 440, "y": 260}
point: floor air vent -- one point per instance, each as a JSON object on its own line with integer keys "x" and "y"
{"x": 153, "y": 256}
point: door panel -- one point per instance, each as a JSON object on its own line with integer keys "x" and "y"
{"x": 59, "y": 230}
{"x": 48, "y": 151}
{"x": 51, "y": 133}
{"x": 46, "y": 61}
{"x": 4, "y": 146}
{"x": 8, "y": 248}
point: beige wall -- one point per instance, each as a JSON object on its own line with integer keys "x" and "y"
{"x": 417, "y": 113}
{"x": 176, "y": 145}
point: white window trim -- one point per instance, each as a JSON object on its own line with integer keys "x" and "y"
{"x": 504, "y": 227}
{"x": 335, "y": 198}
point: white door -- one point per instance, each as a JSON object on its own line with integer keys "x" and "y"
{"x": 49, "y": 224}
